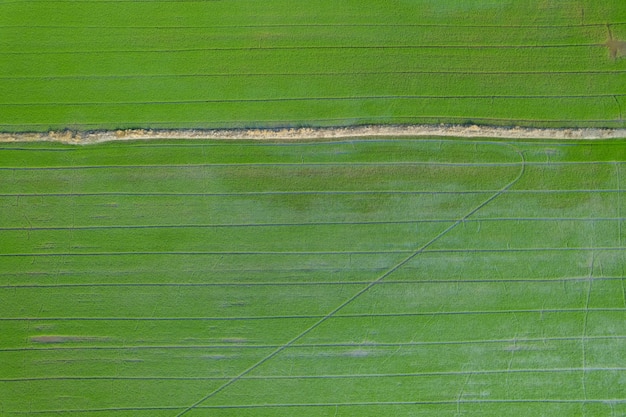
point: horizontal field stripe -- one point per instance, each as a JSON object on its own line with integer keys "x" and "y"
{"x": 574, "y": 338}
{"x": 329, "y": 405}
{"x": 307, "y": 74}
{"x": 512, "y": 250}
{"x": 253, "y": 193}
{"x": 306, "y": 164}
{"x": 246, "y": 225}
{"x": 319, "y": 316}
{"x": 308, "y": 283}
{"x": 290, "y": 25}
{"x": 338, "y": 121}
{"x": 306, "y": 47}
{"x": 260, "y": 193}
{"x": 320, "y": 253}
{"x": 442, "y": 402}
{"x": 313, "y": 142}
{"x": 352, "y": 98}
{"x": 330, "y": 376}
{"x": 205, "y": 253}
{"x": 295, "y": 164}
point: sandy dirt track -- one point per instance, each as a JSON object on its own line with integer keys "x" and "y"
{"x": 80, "y": 138}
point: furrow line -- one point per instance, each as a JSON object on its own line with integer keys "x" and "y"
{"x": 310, "y": 74}
{"x": 297, "y": 377}
{"x": 284, "y": 164}
{"x": 302, "y": 283}
{"x": 308, "y": 164}
{"x": 312, "y": 253}
{"x": 298, "y": 193}
{"x": 361, "y": 345}
{"x": 546, "y": 310}
{"x": 202, "y": 253}
{"x": 353, "y": 223}
{"x": 338, "y": 404}
{"x": 304, "y": 47}
{"x": 338, "y": 121}
{"x": 290, "y": 25}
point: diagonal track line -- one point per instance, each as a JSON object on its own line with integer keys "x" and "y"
{"x": 362, "y": 291}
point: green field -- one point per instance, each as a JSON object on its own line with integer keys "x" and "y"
{"x": 93, "y": 64}
{"x": 356, "y": 278}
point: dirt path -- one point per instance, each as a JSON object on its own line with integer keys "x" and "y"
{"x": 319, "y": 133}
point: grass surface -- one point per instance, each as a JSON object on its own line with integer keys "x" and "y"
{"x": 357, "y": 278}
{"x": 93, "y": 64}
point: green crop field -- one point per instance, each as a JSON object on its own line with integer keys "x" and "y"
{"x": 362, "y": 277}
{"x": 94, "y": 64}
{"x": 429, "y": 277}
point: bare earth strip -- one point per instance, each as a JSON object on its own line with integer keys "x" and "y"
{"x": 317, "y": 133}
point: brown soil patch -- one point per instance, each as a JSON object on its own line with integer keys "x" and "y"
{"x": 617, "y": 48}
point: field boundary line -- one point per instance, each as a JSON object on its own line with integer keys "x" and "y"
{"x": 393, "y": 269}
{"x": 308, "y": 133}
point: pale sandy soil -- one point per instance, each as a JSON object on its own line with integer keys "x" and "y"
{"x": 317, "y": 133}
